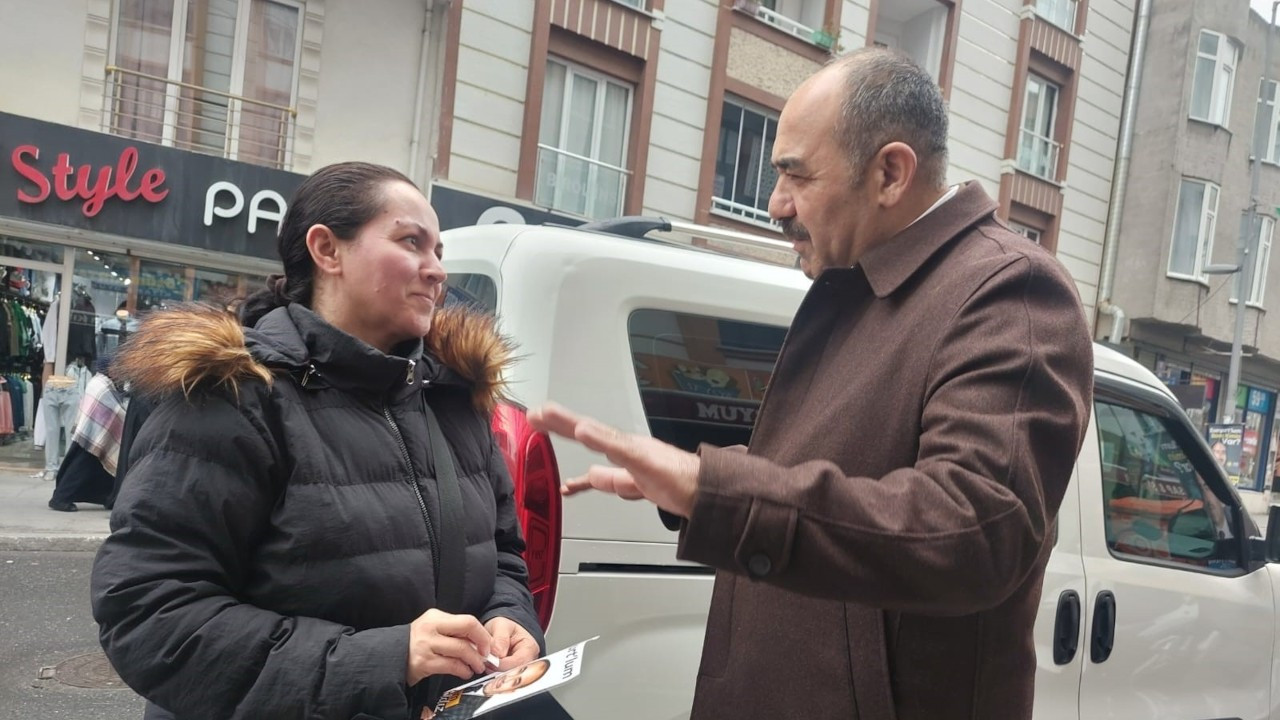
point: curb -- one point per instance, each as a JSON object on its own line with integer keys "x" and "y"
{"x": 16, "y": 542}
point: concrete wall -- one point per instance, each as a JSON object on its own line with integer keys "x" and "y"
{"x": 368, "y": 82}
{"x": 680, "y": 108}
{"x": 1099, "y": 96}
{"x": 493, "y": 60}
{"x": 981, "y": 89}
{"x": 41, "y": 55}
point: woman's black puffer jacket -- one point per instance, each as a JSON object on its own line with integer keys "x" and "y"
{"x": 268, "y": 548}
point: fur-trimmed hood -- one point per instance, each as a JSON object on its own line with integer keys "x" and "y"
{"x": 197, "y": 346}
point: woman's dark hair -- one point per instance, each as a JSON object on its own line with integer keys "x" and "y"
{"x": 342, "y": 197}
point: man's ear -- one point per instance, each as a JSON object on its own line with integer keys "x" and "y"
{"x": 324, "y": 248}
{"x": 895, "y": 167}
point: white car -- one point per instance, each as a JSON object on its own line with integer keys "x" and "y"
{"x": 1157, "y": 604}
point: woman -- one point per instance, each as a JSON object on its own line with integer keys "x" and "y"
{"x": 276, "y": 547}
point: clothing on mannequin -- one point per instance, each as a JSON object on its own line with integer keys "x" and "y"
{"x": 81, "y": 373}
{"x": 114, "y": 330}
{"x": 61, "y": 401}
{"x": 80, "y": 335}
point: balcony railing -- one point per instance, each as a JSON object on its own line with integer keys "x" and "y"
{"x": 1059, "y": 12}
{"x": 1038, "y": 155}
{"x": 199, "y": 119}
{"x": 737, "y": 210}
{"x": 785, "y": 24}
{"x": 580, "y": 185}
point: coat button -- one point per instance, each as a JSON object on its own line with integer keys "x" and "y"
{"x": 759, "y": 565}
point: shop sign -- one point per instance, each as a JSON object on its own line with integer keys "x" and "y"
{"x": 1259, "y": 400}
{"x": 69, "y": 183}
{"x": 668, "y": 405}
{"x": 459, "y": 208}
{"x": 92, "y": 181}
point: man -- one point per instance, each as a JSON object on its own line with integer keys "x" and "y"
{"x": 469, "y": 703}
{"x": 881, "y": 545}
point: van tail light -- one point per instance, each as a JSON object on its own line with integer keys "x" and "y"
{"x": 532, "y": 463}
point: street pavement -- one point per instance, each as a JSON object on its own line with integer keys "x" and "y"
{"x": 46, "y": 623}
{"x": 45, "y": 619}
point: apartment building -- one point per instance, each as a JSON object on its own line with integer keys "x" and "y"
{"x": 567, "y": 110}
{"x": 1205, "y": 107}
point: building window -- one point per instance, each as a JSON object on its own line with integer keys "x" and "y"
{"x": 637, "y": 4}
{"x": 1261, "y": 261}
{"x": 1193, "y": 229}
{"x": 744, "y": 173}
{"x": 801, "y": 18}
{"x": 582, "y": 141}
{"x": 211, "y": 76}
{"x": 1026, "y": 231}
{"x": 1037, "y": 149}
{"x": 1215, "y": 73}
{"x": 1059, "y": 12}
{"x": 1266, "y": 129}
{"x": 915, "y": 27}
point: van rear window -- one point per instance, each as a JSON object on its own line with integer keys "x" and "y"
{"x": 474, "y": 289}
{"x": 701, "y": 378}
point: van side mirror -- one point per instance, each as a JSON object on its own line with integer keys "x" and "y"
{"x": 1271, "y": 545}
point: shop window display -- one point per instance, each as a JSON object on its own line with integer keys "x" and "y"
{"x": 29, "y": 287}
{"x": 100, "y": 309}
{"x": 110, "y": 293}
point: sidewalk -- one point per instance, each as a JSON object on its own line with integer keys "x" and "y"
{"x": 27, "y": 523}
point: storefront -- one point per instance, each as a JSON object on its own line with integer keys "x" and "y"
{"x": 97, "y": 230}
{"x": 1196, "y": 389}
{"x": 1199, "y": 389}
{"x": 1257, "y": 412}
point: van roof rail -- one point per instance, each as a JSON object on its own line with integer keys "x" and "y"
{"x": 727, "y": 242}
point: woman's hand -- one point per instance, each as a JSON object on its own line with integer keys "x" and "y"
{"x": 444, "y": 644}
{"x": 512, "y": 644}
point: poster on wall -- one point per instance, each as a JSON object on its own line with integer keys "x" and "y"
{"x": 1227, "y": 443}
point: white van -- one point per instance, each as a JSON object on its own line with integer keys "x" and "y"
{"x": 1157, "y": 602}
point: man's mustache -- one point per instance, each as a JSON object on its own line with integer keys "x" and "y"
{"x": 793, "y": 230}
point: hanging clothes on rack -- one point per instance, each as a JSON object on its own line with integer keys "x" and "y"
{"x": 21, "y": 323}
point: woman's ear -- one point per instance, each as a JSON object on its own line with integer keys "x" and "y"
{"x": 323, "y": 246}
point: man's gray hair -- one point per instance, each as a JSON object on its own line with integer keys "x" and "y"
{"x": 889, "y": 98}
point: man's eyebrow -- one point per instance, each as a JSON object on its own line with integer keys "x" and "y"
{"x": 788, "y": 163}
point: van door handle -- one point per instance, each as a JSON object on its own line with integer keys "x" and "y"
{"x": 1066, "y": 628}
{"x": 1104, "y": 627}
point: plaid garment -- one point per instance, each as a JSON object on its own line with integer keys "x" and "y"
{"x": 100, "y": 421}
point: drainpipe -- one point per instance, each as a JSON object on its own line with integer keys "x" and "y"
{"x": 1120, "y": 177}
{"x": 420, "y": 95}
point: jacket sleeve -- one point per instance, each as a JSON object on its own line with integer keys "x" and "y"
{"x": 511, "y": 596}
{"x": 1005, "y": 408}
{"x": 168, "y": 584}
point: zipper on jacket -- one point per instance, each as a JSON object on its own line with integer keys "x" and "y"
{"x": 417, "y": 492}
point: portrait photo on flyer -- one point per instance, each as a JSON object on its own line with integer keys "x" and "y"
{"x": 511, "y": 686}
